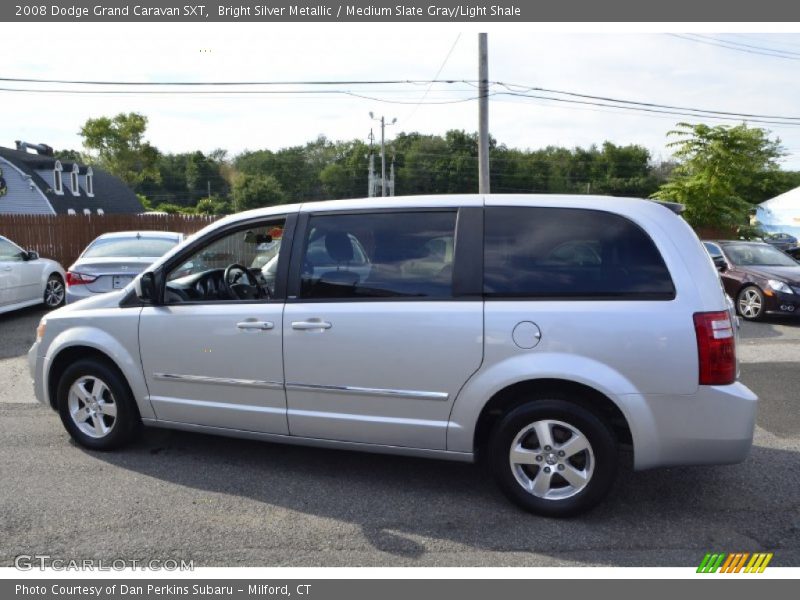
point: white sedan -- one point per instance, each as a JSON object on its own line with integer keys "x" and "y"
{"x": 26, "y": 279}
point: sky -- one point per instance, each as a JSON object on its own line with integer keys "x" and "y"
{"x": 638, "y": 63}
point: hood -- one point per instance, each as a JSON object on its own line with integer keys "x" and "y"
{"x": 790, "y": 274}
{"x": 109, "y": 300}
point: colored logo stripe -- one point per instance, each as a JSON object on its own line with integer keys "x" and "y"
{"x": 734, "y": 562}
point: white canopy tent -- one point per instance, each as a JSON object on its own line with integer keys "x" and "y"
{"x": 781, "y": 213}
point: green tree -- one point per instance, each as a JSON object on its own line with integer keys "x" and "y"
{"x": 170, "y": 209}
{"x": 117, "y": 144}
{"x": 722, "y": 171}
{"x": 213, "y": 205}
{"x": 72, "y": 155}
{"x": 254, "y": 191}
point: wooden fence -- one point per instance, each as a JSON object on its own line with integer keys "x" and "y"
{"x": 63, "y": 237}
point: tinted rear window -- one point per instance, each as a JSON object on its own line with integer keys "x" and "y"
{"x": 570, "y": 253}
{"x": 132, "y": 246}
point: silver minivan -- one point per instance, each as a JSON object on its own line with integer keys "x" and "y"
{"x": 540, "y": 334}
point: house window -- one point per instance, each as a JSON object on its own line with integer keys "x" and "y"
{"x": 73, "y": 180}
{"x": 58, "y": 185}
{"x": 89, "y": 182}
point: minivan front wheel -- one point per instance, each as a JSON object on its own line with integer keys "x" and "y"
{"x": 553, "y": 458}
{"x": 96, "y": 406}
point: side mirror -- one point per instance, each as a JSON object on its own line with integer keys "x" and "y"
{"x": 31, "y": 255}
{"x": 146, "y": 287}
{"x": 720, "y": 263}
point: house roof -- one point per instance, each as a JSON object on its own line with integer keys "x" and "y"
{"x": 788, "y": 201}
{"x": 110, "y": 193}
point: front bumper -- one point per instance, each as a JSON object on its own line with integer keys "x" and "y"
{"x": 713, "y": 427}
{"x": 780, "y": 303}
{"x": 37, "y": 365}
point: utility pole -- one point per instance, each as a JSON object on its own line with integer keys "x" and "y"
{"x": 383, "y": 150}
{"x": 483, "y": 114}
{"x": 371, "y": 176}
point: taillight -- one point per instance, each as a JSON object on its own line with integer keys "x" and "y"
{"x": 79, "y": 278}
{"x": 716, "y": 348}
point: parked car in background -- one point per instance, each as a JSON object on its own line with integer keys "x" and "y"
{"x": 26, "y": 279}
{"x": 762, "y": 279}
{"x": 112, "y": 260}
{"x": 543, "y": 332}
{"x": 782, "y": 241}
{"x": 794, "y": 252}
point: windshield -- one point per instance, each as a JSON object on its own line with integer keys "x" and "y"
{"x": 129, "y": 246}
{"x": 758, "y": 255}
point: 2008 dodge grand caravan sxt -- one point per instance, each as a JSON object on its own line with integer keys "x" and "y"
{"x": 542, "y": 332}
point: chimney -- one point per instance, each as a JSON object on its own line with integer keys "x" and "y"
{"x": 42, "y": 149}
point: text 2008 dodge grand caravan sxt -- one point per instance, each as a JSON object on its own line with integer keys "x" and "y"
{"x": 539, "y": 331}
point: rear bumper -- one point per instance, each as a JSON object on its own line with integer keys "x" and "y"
{"x": 713, "y": 427}
{"x": 75, "y": 293}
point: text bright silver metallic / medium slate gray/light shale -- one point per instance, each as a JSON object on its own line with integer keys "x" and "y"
{"x": 541, "y": 333}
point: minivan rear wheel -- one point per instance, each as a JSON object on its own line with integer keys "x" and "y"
{"x": 96, "y": 405}
{"x": 553, "y": 458}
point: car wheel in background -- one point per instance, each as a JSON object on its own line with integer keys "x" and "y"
{"x": 54, "y": 291}
{"x": 750, "y": 303}
{"x": 553, "y": 458}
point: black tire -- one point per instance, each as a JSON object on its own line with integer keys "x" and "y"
{"x": 126, "y": 423}
{"x": 754, "y": 294}
{"x": 599, "y": 461}
{"x": 55, "y": 294}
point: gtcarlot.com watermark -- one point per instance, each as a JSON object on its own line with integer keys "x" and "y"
{"x": 42, "y": 562}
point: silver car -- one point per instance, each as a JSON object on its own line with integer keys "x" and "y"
{"x": 542, "y": 333}
{"x": 112, "y": 260}
{"x": 27, "y": 279}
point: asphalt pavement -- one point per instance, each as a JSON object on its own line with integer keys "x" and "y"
{"x": 227, "y": 502}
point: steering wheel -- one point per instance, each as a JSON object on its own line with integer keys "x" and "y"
{"x": 239, "y": 282}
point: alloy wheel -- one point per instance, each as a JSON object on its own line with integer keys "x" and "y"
{"x": 54, "y": 292}
{"x": 750, "y": 303}
{"x": 92, "y": 406}
{"x": 552, "y": 459}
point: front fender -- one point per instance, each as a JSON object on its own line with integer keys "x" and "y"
{"x": 486, "y": 383}
{"x": 48, "y": 268}
{"x": 117, "y": 351}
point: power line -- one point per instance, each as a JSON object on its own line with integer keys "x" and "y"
{"x": 523, "y": 88}
{"x": 513, "y": 89}
{"x": 646, "y": 109}
{"x": 435, "y": 77}
{"x": 751, "y": 46}
{"x": 235, "y": 83}
{"x": 733, "y": 46}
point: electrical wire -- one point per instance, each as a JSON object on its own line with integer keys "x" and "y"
{"x": 731, "y": 46}
{"x": 435, "y": 77}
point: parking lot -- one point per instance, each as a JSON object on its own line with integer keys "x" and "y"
{"x": 225, "y": 502}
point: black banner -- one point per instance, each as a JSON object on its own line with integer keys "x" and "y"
{"x": 731, "y": 588}
{"x": 402, "y": 11}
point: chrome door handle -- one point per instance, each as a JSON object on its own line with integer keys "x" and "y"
{"x": 311, "y": 324}
{"x": 257, "y": 325}
{"x": 6, "y": 268}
